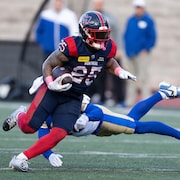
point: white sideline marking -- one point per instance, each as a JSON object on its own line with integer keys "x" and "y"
{"x": 79, "y": 140}
{"x": 99, "y": 169}
{"x": 131, "y": 155}
{"x": 82, "y": 140}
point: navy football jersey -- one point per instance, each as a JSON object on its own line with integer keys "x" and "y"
{"x": 85, "y": 64}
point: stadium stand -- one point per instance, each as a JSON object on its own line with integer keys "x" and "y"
{"x": 17, "y": 15}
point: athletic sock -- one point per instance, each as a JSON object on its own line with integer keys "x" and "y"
{"x": 142, "y": 107}
{"x": 156, "y": 128}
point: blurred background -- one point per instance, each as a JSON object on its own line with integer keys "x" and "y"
{"x": 21, "y": 57}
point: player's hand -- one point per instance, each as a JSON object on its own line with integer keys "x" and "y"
{"x": 56, "y": 86}
{"x": 123, "y": 74}
{"x": 36, "y": 84}
{"x": 81, "y": 122}
{"x": 55, "y": 160}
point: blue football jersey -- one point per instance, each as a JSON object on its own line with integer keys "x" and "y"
{"x": 85, "y": 64}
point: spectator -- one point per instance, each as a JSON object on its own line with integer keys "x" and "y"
{"x": 54, "y": 24}
{"x": 109, "y": 88}
{"x": 139, "y": 39}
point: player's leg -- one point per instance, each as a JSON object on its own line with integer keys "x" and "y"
{"x": 43, "y": 144}
{"x": 115, "y": 123}
{"x": 30, "y": 121}
{"x": 166, "y": 91}
{"x": 54, "y": 159}
{"x": 11, "y": 121}
{"x": 156, "y": 128}
{"x": 142, "y": 107}
{"x": 64, "y": 118}
{"x": 44, "y": 130}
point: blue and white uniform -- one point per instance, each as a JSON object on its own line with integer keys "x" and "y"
{"x": 103, "y": 122}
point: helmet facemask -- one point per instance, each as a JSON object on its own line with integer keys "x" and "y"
{"x": 97, "y": 38}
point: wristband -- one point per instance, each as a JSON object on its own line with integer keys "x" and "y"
{"x": 117, "y": 70}
{"x": 49, "y": 79}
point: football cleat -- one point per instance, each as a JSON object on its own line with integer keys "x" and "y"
{"x": 11, "y": 120}
{"x": 169, "y": 90}
{"x": 19, "y": 164}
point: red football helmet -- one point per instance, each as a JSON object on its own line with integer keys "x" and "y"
{"x": 94, "y": 29}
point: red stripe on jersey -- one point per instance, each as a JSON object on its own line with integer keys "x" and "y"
{"x": 101, "y": 19}
{"x": 72, "y": 46}
{"x": 113, "y": 50}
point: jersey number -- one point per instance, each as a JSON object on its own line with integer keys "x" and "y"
{"x": 80, "y": 74}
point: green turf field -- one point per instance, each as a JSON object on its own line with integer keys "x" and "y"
{"x": 122, "y": 157}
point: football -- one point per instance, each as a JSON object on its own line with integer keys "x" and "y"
{"x": 64, "y": 72}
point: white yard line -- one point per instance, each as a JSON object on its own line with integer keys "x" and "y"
{"x": 102, "y": 153}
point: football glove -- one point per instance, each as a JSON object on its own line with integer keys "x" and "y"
{"x": 36, "y": 84}
{"x": 55, "y": 160}
{"x": 123, "y": 74}
{"x": 81, "y": 122}
{"x": 86, "y": 99}
{"x": 56, "y": 86}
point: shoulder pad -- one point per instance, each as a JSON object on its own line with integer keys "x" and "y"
{"x": 71, "y": 46}
{"x": 113, "y": 50}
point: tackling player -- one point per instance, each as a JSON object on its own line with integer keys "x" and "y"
{"x": 98, "y": 120}
{"x": 86, "y": 55}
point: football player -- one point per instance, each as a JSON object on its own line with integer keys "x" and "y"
{"x": 85, "y": 55}
{"x": 98, "y": 120}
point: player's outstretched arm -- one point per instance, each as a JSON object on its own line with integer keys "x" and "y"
{"x": 114, "y": 68}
